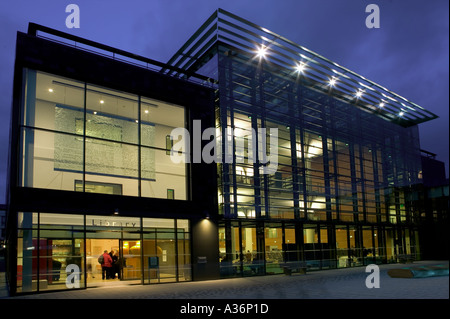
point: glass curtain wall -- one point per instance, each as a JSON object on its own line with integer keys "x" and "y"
{"x": 230, "y": 250}
{"x": 335, "y": 162}
{"x": 166, "y": 251}
{"x": 274, "y": 248}
{"x": 336, "y": 165}
{"x": 47, "y": 244}
{"x": 60, "y": 251}
{"x": 82, "y": 137}
{"x": 248, "y": 250}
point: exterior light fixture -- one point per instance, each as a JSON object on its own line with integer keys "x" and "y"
{"x": 401, "y": 113}
{"x": 262, "y": 52}
{"x": 359, "y": 94}
{"x": 300, "y": 67}
{"x": 381, "y": 104}
{"x": 332, "y": 81}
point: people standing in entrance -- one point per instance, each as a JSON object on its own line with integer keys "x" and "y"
{"x": 116, "y": 264}
{"x": 106, "y": 265}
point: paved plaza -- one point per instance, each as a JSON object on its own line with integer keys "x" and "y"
{"x": 325, "y": 292}
{"x": 347, "y": 283}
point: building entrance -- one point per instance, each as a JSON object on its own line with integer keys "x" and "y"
{"x": 60, "y": 251}
{"x": 126, "y": 266}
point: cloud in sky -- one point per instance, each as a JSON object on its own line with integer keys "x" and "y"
{"x": 408, "y": 54}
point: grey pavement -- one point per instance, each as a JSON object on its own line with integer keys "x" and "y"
{"x": 347, "y": 283}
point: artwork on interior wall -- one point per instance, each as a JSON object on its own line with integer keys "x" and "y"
{"x": 103, "y": 155}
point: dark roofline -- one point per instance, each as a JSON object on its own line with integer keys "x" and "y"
{"x": 114, "y": 53}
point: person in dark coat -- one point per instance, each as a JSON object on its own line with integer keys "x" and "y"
{"x": 115, "y": 264}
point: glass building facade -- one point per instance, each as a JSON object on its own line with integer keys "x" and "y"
{"x": 315, "y": 166}
{"x": 348, "y": 153}
{"x": 91, "y": 171}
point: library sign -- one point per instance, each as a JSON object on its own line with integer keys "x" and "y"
{"x": 111, "y": 221}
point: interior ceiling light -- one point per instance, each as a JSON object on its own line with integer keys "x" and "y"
{"x": 101, "y": 101}
{"x": 50, "y": 90}
{"x": 381, "y": 104}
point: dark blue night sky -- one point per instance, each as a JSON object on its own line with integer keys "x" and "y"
{"x": 408, "y": 54}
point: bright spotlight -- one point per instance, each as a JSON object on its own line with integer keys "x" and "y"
{"x": 300, "y": 67}
{"x": 262, "y": 52}
{"x": 332, "y": 81}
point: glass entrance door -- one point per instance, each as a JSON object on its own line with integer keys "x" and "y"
{"x": 95, "y": 247}
{"x": 130, "y": 263}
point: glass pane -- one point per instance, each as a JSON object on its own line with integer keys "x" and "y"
{"x": 27, "y": 220}
{"x": 327, "y": 252}
{"x": 391, "y": 245}
{"x": 27, "y": 262}
{"x": 158, "y": 223}
{"x": 59, "y": 258}
{"x": 274, "y": 249}
{"x": 184, "y": 250}
{"x": 111, "y": 115}
{"x": 368, "y": 251}
{"x": 96, "y": 246}
{"x": 51, "y": 160}
{"x": 230, "y": 251}
{"x": 159, "y": 174}
{"x": 356, "y": 250}
{"x": 151, "y": 259}
{"x": 342, "y": 246}
{"x": 253, "y": 262}
{"x": 158, "y": 119}
{"x": 70, "y": 220}
{"x": 131, "y": 254}
{"x": 183, "y": 224}
{"x": 160, "y": 258}
{"x": 292, "y": 253}
{"x": 112, "y": 163}
{"x": 167, "y": 253}
{"x": 53, "y": 102}
{"x": 311, "y": 246}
